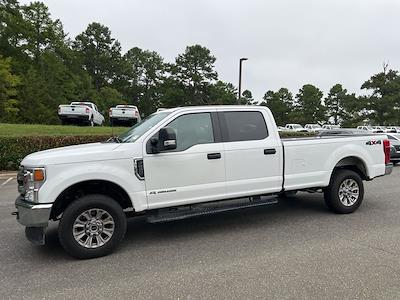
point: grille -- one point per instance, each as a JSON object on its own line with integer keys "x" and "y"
{"x": 21, "y": 180}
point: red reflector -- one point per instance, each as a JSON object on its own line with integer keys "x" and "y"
{"x": 386, "y": 150}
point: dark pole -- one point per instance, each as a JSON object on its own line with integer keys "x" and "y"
{"x": 240, "y": 78}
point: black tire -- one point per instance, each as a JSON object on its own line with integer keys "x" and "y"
{"x": 331, "y": 193}
{"x": 75, "y": 209}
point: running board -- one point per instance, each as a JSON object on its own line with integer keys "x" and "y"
{"x": 173, "y": 214}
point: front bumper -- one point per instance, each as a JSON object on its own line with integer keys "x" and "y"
{"x": 388, "y": 169}
{"x": 32, "y": 215}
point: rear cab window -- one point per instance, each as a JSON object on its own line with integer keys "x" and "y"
{"x": 239, "y": 126}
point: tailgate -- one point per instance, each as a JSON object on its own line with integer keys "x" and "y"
{"x": 72, "y": 110}
{"x": 123, "y": 113}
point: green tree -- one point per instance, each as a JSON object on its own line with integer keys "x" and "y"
{"x": 195, "y": 71}
{"x": 100, "y": 54}
{"x": 281, "y": 104}
{"x": 384, "y": 101}
{"x": 353, "y": 108}
{"x": 11, "y": 23}
{"x": 223, "y": 93}
{"x": 334, "y": 103}
{"x": 309, "y": 105}
{"x": 144, "y": 73}
{"x": 41, "y": 32}
{"x": 247, "y": 98}
{"x": 8, "y": 92}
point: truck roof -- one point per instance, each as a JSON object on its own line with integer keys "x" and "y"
{"x": 203, "y": 107}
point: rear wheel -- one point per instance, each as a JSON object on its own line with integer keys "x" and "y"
{"x": 345, "y": 192}
{"x": 92, "y": 226}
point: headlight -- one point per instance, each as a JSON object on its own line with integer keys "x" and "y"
{"x": 33, "y": 180}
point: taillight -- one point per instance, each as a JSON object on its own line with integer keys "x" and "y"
{"x": 386, "y": 149}
{"x": 110, "y": 112}
{"x": 136, "y": 113}
{"x": 59, "y": 109}
{"x": 87, "y": 110}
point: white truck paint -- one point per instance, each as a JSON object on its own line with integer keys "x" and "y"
{"x": 80, "y": 112}
{"x": 128, "y": 114}
{"x": 186, "y": 156}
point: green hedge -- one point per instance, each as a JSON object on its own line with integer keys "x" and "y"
{"x": 292, "y": 134}
{"x": 14, "y": 149}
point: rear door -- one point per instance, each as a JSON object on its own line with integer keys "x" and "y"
{"x": 194, "y": 171}
{"x": 253, "y": 156}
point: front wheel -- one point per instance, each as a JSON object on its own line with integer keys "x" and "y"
{"x": 92, "y": 226}
{"x": 345, "y": 192}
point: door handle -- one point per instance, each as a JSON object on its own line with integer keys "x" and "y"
{"x": 269, "y": 151}
{"x": 214, "y": 155}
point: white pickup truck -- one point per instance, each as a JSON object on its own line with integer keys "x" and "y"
{"x": 185, "y": 162}
{"x": 124, "y": 114}
{"x": 80, "y": 112}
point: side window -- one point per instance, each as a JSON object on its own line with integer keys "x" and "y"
{"x": 244, "y": 126}
{"x": 192, "y": 129}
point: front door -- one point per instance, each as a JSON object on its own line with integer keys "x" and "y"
{"x": 194, "y": 171}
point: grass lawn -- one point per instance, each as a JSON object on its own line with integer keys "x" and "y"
{"x": 37, "y": 130}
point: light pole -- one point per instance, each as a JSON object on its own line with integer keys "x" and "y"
{"x": 240, "y": 78}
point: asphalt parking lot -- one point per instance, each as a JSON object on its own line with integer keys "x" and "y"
{"x": 293, "y": 250}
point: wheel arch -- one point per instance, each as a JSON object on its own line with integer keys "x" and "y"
{"x": 353, "y": 163}
{"x": 87, "y": 187}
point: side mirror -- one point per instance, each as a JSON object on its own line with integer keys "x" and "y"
{"x": 166, "y": 140}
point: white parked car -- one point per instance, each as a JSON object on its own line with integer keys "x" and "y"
{"x": 330, "y": 127}
{"x": 392, "y": 129}
{"x": 295, "y": 128}
{"x": 80, "y": 112}
{"x": 124, "y": 114}
{"x": 378, "y": 129}
{"x": 185, "y": 162}
{"x": 366, "y": 128}
{"x": 313, "y": 127}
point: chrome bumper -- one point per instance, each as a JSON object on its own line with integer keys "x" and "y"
{"x": 32, "y": 215}
{"x": 388, "y": 169}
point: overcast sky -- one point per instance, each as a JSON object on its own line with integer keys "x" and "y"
{"x": 288, "y": 43}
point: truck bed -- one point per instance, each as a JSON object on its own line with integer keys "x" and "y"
{"x": 308, "y": 161}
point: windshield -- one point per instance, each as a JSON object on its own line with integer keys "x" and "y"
{"x": 139, "y": 129}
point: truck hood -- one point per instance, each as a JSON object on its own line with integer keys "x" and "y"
{"x": 75, "y": 154}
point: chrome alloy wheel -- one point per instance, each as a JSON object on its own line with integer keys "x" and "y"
{"x": 93, "y": 228}
{"x": 349, "y": 192}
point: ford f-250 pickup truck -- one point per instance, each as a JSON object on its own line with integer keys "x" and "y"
{"x": 185, "y": 162}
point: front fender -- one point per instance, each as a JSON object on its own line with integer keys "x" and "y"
{"x": 120, "y": 172}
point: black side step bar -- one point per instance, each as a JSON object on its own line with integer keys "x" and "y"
{"x": 173, "y": 214}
